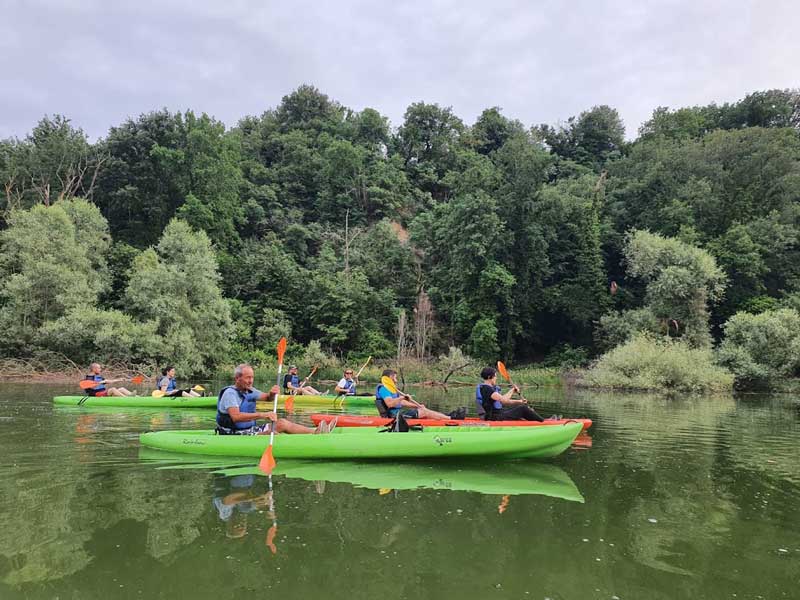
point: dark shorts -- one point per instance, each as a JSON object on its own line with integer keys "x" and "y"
{"x": 97, "y": 393}
{"x": 408, "y": 413}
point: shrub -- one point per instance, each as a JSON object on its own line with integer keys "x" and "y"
{"x": 648, "y": 363}
{"x": 761, "y": 348}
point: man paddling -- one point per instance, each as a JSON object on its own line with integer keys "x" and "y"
{"x": 100, "y": 389}
{"x": 493, "y": 405}
{"x": 293, "y": 385}
{"x": 399, "y": 403}
{"x": 237, "y": 414}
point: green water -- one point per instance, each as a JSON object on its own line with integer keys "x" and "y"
{"x": 674, "y": 499}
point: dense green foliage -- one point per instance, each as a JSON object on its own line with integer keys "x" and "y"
{"x": 200, "y": 245}
{"x": 649, "y": 363}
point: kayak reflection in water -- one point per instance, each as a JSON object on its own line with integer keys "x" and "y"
{"x": 237, "y": 414}
{"x": 234, "y": 507}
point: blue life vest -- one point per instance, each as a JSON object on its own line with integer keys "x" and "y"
{"x": 295, "y": 381}
{"x": 391, "y": 411}
{"x": 350, "y": 386}
{"x": 496, "y": 404}
{"x": 247, "y": 404}
{"x": 93, "y": 377}
{"x": 171, "y": 386}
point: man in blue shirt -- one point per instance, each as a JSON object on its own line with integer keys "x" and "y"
{"x": 399, "y": 402}
{"x": 237, "y": 414}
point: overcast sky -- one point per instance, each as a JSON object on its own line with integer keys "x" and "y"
{"x": 101, "y": 61}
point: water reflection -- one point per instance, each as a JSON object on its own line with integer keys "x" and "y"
{"x": 236, "y": 501}
{"x": 507, "y": 478}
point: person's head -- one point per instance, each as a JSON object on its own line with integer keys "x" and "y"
{"x": 488, "y": 373}
{"x": 390, "y": 373}
{"x": 348, "y": 373}
{"x": 168, "y": 371}
{"x": 293, "y": 369}
{"x": 243, "y": 376}
{"x": 95, "y": 368}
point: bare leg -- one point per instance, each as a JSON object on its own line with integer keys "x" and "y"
{"x": 427, "y": 413}
{"x": 287, "y": 426}
{"x": 121, "y": 392}
{"x": 311, "y": 391}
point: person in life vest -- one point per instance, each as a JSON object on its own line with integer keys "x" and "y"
{"x": 100, "y": 389}
{"x": 166, "y": 383}
{"x": 493, "y": 405}
{"x": 237, "y": 414}
{"x": 399, "y": 402}
{"x": 346, "y": 385}
{"x": 293, "y": 385}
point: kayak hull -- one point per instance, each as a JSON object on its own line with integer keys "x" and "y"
{"x": 358, "y": 443}
{"x": 373, "y": 421}
{"x": 136, "y": 401}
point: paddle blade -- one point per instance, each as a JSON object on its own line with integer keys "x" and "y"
{"x": 137, "y": 380}
{"x": 199, "y": 388}
{"x": 289, "y": 404}
{"x": 157, "y": 394}
{"x": 88, "y": 384}
{"x": 281, "y": 350}
{"x": 267, "y": 462}
{"x": 502, "y": 368}
{"x": 390, "y": 385}
{"x": 271, "y": 539}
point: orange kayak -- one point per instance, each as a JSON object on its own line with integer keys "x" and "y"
{"x": 367, "y": 421}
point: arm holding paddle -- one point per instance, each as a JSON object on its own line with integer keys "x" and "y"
{"x": 237, "y": 416}
{"x": 514, "y": 388}
{"x": 88, "y": 384}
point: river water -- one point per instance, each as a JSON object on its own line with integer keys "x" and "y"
{"x": 667, "y": 498}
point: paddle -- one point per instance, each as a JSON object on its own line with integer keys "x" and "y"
{"x": 267, "y": 462}
{"x": 87, "y": 384}
{"x": 504, "y": 372}
{"x": 390, "y": 385}
{"x": 364, "y": 366}
{"x": 309, "y": 376}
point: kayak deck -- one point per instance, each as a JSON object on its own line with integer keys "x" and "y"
{"x": 373, "y": 421}
{"x": 137, "y": 401}
{"x": 432, "y": 442}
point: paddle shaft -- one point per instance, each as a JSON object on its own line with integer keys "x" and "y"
{"x": 364, "y": 366}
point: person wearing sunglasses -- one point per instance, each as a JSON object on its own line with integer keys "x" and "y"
{"x": 347, "y": 384}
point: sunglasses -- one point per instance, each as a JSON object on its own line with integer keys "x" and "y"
{"x": 348, "y": 372}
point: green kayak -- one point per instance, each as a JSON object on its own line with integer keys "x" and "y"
{"x": 327, "y": 400}
{"x": 510, "y": 478}
{"x": 140, "y": 401}
{"x": 363, "y": 442}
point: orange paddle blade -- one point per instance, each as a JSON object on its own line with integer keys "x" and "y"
{"x": 267, "y": 462}
{"x": 88, "y": 384}
{"x": 502, "y": 368}
{"x": 289, "y": 404}
{"x": 281, "y": 350}
{"x": 137, "y": 380}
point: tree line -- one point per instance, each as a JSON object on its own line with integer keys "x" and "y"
{"x": 177, "y": 239}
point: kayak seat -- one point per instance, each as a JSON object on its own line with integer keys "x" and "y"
{"x": 383, "y": 410}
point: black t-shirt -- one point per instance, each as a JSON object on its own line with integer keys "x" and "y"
{"x": 486, "y": 399}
